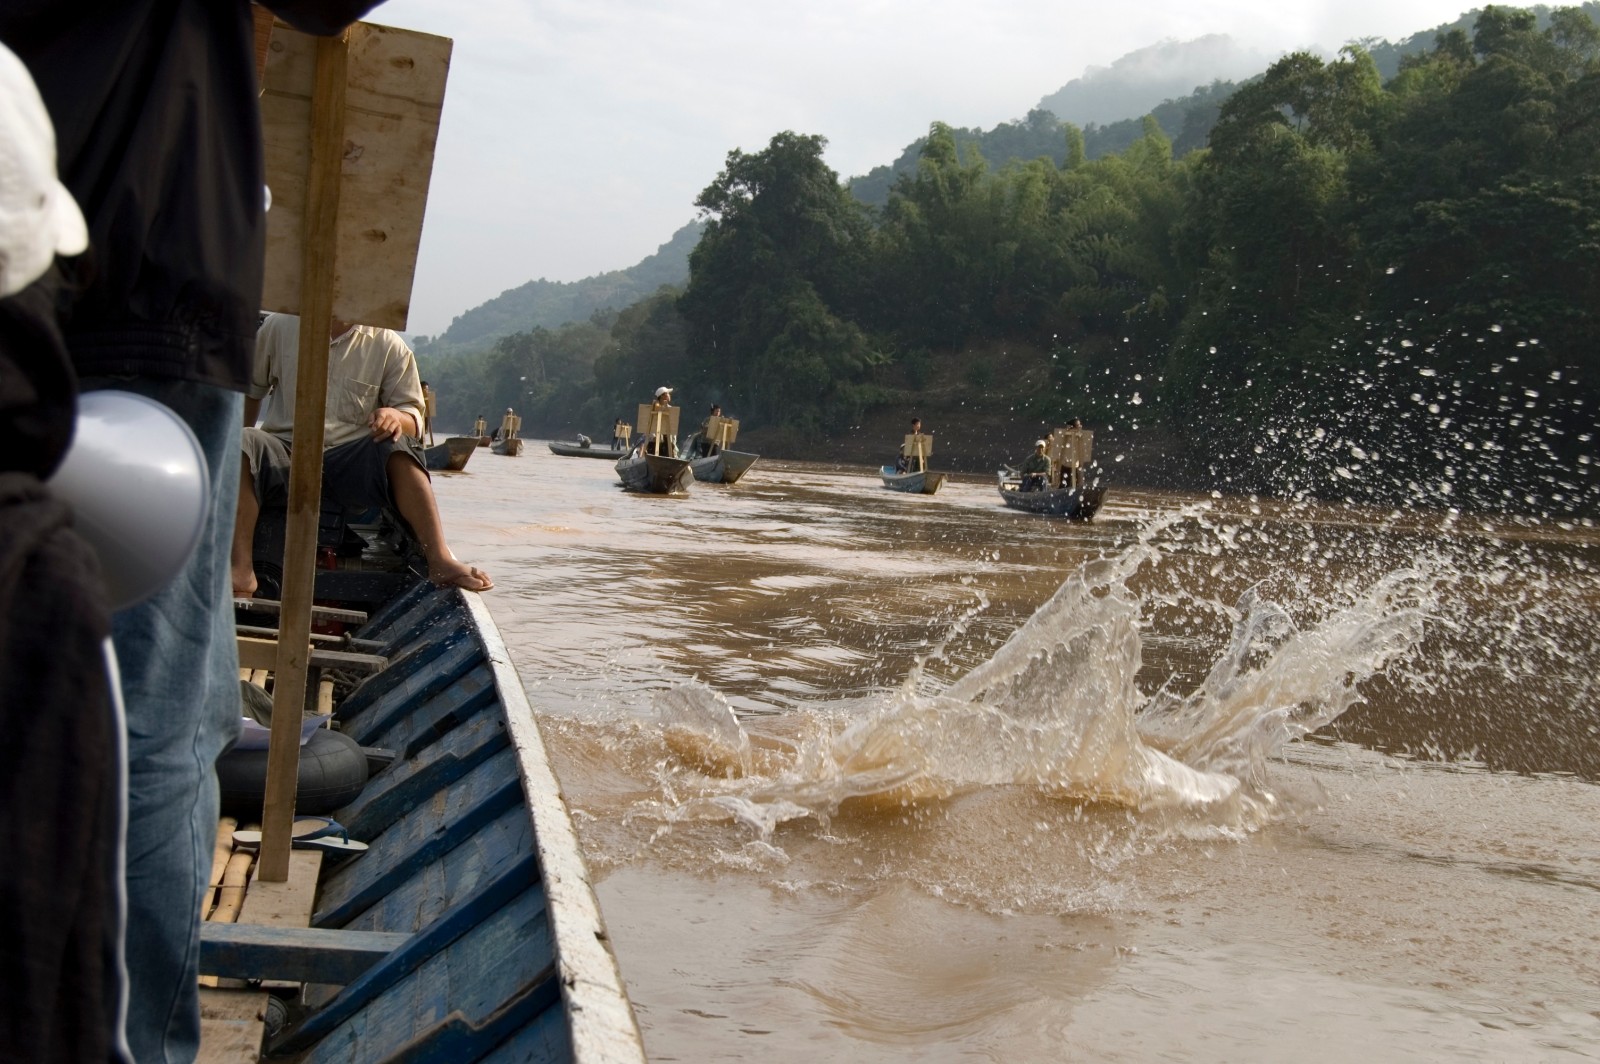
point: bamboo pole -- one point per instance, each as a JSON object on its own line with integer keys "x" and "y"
{"x": 221, "y": 850}
{"x": 305, "y": 473}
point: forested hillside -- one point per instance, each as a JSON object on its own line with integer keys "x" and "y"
{"x": 549, "y": 304}
{"x": 1376, "y": 289}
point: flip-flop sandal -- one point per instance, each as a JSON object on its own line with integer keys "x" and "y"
{"x": 329, "y": 844}
{"x": 305, "y": 830}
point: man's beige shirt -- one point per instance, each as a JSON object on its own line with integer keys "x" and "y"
{"x": 367, "y": 368}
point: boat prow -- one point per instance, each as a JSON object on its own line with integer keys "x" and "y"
{"x": 655, "y": 474}
{"x": 450, "y": 456}
{"x": 724, "y": 467}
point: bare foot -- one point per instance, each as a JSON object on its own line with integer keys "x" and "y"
{"x": 447, "y": 572}
{"x": 244, "y": 584}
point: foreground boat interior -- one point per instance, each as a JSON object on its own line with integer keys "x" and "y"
{"x": 468, "y": 930}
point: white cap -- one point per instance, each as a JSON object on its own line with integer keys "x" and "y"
{"x": 663, "y": 391}
{"x": 1038, "y": 443}
{"x": 38, "y": 216}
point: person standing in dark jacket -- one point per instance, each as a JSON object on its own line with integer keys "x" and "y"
{"x": 159, "y": 140}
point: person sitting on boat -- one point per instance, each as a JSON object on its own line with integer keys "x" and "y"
{"x": 1035, "y": 468}
{"x": 902, "y": 464}
{"x": 370, "y": 453}
{"x": 666, "y": 445}
{"x": 702, "y": 446}
{"x": 584, "y": 441}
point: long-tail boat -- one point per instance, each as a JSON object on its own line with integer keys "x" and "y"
{"x": 1073, "y": 488}
{"x": 467, "y": 928}
{"x": 711, "y": 459}
{"x": 912, "y": 474}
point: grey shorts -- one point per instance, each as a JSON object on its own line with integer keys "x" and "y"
{"x": 354, "y": 475}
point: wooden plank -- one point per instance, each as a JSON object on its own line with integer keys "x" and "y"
{"x": 432, "y": 890}
{"x": 419, "y": 838}
{"x": 272, "y": 607}
{"x": 411, "y": 680}
{"x": 259, "y": 677}
{"x": 403, "y": 786}
{"x": 496, "y": 915}
{"x": 318, "y": 639}
{"x": 286, "y": 903}
{"x": 232, "y": 1026}
{"x": 394, "y": 90}
{"x": 257, "y": 654}
{"x": 298, "y": 954}
{"x": 221, "y": 851}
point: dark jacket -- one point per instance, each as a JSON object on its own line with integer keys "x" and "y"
{"x": 159, "y": 138}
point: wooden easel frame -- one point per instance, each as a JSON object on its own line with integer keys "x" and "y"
{"x": 355, "y": 264}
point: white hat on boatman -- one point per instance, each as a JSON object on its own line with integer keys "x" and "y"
{"x": 663, "y": 391}
{"x": 38, "y": 217}
{"x": 1038, "y": 443}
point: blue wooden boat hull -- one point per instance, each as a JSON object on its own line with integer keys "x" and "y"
{"x": 476, "y": 931}
{"x": 923, "y": 483}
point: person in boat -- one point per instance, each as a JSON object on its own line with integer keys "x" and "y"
{"x": 1035, "y": 468}
{"x": 584, "y": 441}
{"x": 702, "y": 446}
{"x": 902, "y": 464}
{"x": 619, "y": 440}
{"x": 158, "y": 138}
{"x": 667, "y": 445}
{"x": 371, "y": 456}
{"x": 503, "y": 431}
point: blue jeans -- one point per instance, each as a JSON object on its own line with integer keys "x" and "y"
{"x": 180, "y": 682}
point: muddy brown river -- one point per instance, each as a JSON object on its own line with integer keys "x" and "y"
{"x": 875, "y": 777}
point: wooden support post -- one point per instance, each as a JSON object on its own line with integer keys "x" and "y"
{"x": 318, "y": 271}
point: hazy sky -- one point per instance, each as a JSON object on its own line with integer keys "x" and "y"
{"x": 577, "y": 133}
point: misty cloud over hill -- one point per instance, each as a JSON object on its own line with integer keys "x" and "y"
{"x": 1140, "y": 80}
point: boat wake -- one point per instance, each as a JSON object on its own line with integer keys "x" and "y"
{"x": 1057, "y": 710}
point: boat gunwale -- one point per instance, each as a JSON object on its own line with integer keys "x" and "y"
{"x": 600, "y": 1017}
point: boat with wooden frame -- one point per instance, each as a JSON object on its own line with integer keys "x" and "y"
{"x": 579, "y": 449}
{"x": 452, "y": 455}
{"x": 1073, "y": 488}
{"x": 506, "y": 441}
{"x": 720, "y": 464}
{"x": 468, "y": 929}
{"x": 654, "y": 468}
{"x": 915, "y": 477}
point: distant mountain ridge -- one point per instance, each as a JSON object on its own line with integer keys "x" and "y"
{"x": 1128, "y": 89}
{"x": 552, "y": 304}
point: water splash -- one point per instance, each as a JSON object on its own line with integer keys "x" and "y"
{"x": 1057, "y": 710}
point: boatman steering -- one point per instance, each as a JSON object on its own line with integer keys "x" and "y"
{"x": 1035, "y": 468}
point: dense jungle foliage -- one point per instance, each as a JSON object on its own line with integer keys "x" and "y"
{"x": 1384, "y": 291}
